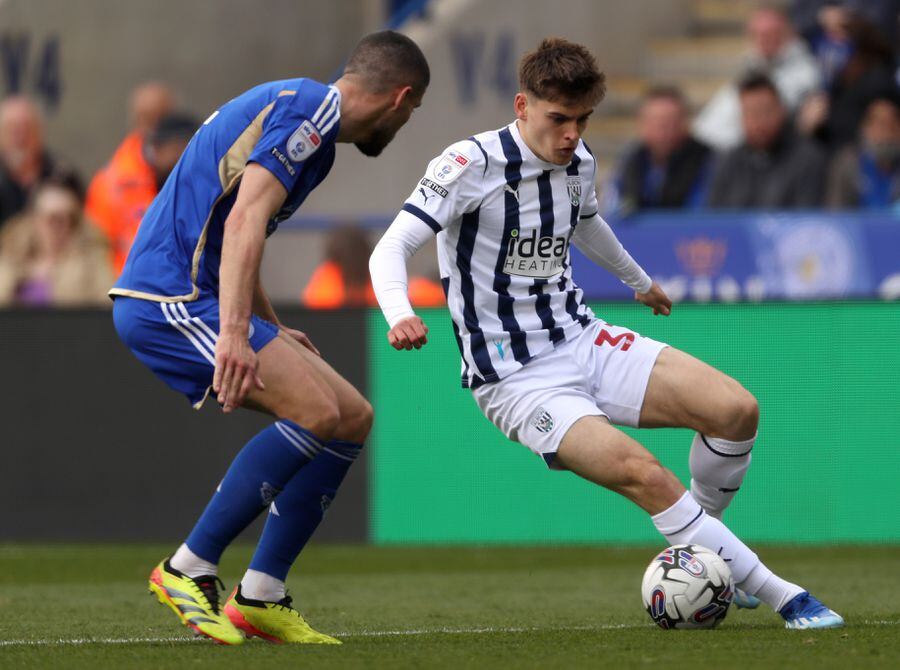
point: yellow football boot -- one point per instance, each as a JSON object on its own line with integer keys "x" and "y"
{"x": 276, "y": 622}
{"x": 195, "y": 601}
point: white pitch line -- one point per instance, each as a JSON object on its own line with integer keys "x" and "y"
{"x": 348, "y": 634}
{"x": 372, "y": 633}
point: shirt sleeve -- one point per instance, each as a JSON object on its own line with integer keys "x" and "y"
{"x": 453, "y": 185}
{"x": 599, "y": 243}
{"x": 590, "y": 207}
{"x": 387, "y": 265}
{"x": 290, "y": 138}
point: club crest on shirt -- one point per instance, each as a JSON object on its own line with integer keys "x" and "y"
{"x": 304, "y": 142}
{"x": 573, "y": 185}
{"x": 542, "y": 420}
{"x": 450, "y": 166}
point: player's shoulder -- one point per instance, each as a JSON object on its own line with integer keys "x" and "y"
{"x": 584, "y": 153}
{"x": 458, "y": 160}
{"x": 473, "y": 155}
{"x": 310, "y": 99}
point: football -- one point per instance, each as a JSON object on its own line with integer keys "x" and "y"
{"x": 687, "y": 586}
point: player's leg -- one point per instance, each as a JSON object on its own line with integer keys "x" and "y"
{"x": 308, "y": 414}
{"x": 598, "y": 452}
{"x": 685, "y": 392}
{"x": 299, "y": 508}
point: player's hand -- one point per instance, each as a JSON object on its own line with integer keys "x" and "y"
{"x": 408, "y": 333}
{"x": 300, "y": 337}
{"x": 656, "y": 299}
{"x": 236, "y": 370}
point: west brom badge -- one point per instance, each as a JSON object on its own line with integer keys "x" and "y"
{"x": 573, "y": 184}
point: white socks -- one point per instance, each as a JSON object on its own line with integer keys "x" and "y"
{"x": 260, "y": 586}
{"x": 187, "y": 562}
{"x": 717, "y": 469}
{"x": 685, "y": 522}
{"x": 255, "y": 585}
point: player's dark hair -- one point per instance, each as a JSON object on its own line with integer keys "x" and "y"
{"x": 757, "y": 81}
{"x": 388, "y": 59}
{"x": 562, "y": 70}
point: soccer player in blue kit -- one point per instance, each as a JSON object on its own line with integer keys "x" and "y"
{"x": 190, "y": 305}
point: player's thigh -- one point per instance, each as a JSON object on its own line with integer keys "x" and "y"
{"x": 294, "y": 390}
{"x": 350, "y": 401}
{"x": 601, "y": 453}
{"x": 686, "y": 392}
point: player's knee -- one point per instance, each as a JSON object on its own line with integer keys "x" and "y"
{"x": 322, "y": 421}
{"x": 357, "y": 422}
{"x": 743, "y": 417}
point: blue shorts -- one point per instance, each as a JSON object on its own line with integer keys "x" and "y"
{"x": 178, "y": 340}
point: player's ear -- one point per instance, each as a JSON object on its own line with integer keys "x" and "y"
{"x": 520, "y": 104}
{"x": 400, "y": 95}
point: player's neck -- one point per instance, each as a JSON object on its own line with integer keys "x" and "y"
{"x": 356, "y": 114}
{"x": 523, "y": 133}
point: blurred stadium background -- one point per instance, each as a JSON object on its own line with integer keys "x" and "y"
{"x": 796, "y": 298}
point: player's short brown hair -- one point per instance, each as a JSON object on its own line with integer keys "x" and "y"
{"x": 562, "y": 70}
{"x": 387, "y": 59}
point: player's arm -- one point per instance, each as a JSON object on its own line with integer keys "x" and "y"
{"x": 260, "y": 195}
{"x": 263, "y": 308}
{"x": 387, "y": 266}
{"x": 452, "y": 185}
{"x": 596, "y": 240}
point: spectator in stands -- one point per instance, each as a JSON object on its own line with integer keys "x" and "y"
{"x": 773, "y": 168}
{"x": 148, "y": 104}
{"x": 868, "y": 175}
{"x": 24, "y": 161}
{"x": 775, "y": 51}
{"x": 833, "y": 117}
{"x": 49, "y": 256}
{"x": 122, "y": 191}
{"x": 823, "y": 24}
{"x": 342, "y": 280}
{"x": 666, "y": 168}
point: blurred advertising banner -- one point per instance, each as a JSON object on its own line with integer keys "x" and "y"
{"x": 755, "y": 257}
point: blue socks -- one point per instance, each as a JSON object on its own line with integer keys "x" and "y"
{"x": 297, "y": 512}
{"x": 257, "y": 475}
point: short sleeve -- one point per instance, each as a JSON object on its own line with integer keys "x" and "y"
{"x": 290, "y": 137}
{"x": 452, "y": 186}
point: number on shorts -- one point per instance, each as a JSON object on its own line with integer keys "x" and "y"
{"x": 605, "y": 338}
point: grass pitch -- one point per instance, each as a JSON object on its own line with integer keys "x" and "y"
{"x": 562, "y": 607}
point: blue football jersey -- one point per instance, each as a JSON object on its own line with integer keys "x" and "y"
{"x": 288, "y": 127}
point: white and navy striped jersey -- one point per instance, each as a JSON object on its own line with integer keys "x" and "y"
{"x": 504, "y": 220}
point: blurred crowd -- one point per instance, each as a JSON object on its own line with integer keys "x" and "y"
{"x": 62, "y": 244}
{"x": 811, "y": 120}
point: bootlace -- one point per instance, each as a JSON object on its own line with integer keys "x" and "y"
{"x": 208, "y": 586}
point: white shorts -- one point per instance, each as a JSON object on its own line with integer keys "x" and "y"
{"x": 604, "y": 372}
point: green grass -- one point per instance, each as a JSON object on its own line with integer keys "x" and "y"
{"x": 549, "y": 607}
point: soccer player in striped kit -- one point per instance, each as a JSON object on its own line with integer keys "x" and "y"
{"x": 191, "y": 307}
{"x": 505, "y": 205}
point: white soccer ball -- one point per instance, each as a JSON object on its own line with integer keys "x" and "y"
{"x": 687, "y": 586}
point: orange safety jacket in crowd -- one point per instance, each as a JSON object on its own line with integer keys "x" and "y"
{"x": 119, "y": 194}
{"x": 326, "y": 290}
